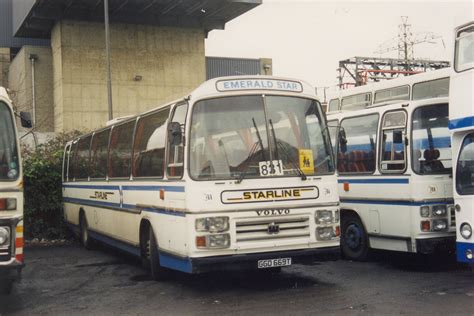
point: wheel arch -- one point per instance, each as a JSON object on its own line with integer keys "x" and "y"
{"x": 351, "y": 212}
{"x": 143, "y": 232}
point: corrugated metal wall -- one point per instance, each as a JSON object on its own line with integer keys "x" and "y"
{"x": 6, "y": 28}
{"x": 220, "y": 66}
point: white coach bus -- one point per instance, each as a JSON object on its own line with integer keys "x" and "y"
{"x": 394, "y": 171}
{"x": 239, "y": 174}
{"x": 462, "y": 127}
{"x": 11, "y": 195}
{"x": 415, "y": 87}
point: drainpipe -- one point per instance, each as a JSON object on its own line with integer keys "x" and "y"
{"x": 33, "y": 58}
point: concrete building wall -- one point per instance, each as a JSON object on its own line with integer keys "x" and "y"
{"x": 20, "y": 84}
{"x": 150, "y": 65}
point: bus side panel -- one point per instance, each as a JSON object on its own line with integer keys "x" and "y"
{"x": 167, "y": 216}
{"x": 385, "y": 224}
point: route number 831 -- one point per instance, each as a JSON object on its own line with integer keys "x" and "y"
{"x": 271, "y": 168}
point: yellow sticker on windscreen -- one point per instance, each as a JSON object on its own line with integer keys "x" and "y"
{"x": 306, "y": 161}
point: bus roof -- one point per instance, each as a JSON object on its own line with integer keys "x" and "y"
{"x": 250, "y": 84}
{"x": 407, "y": 104}
{"x": 390, "y": 83}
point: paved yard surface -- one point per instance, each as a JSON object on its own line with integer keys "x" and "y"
{"x": 68, "y": 280}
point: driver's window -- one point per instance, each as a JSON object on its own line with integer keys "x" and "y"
{"x": 176, "y": 151}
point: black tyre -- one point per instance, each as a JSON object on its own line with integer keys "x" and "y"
{"x": 354, "y": 240}
{"x": 84, "y": 236}
{"x": 157, "y": 272}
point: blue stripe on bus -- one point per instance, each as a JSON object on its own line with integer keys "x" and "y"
{"x": 154, "y": 210}
{"x": 461, "y": 248}
{"x": 461, "y": 122}
{"x": 377, "y": 181}
{"x": 91, "y": 203}
{"x": 115, "y": 243}
{"x": 175, "y": 263}
{"x": 402, "y": 203}
{"x": 125, "y": 207}
{"x": 99, "y": 187}
{"x": 152, "y": 188}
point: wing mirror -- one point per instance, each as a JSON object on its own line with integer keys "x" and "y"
{"x": 342, "y": 140}
{"x": 175, "y": 135}
{"x": 25, "y": 118}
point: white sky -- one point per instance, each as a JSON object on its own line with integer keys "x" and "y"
{"x": 307, "y": 38}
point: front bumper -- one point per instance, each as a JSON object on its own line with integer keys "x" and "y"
{"x": 246, "y": 261}
{"x": 436, "y": 245}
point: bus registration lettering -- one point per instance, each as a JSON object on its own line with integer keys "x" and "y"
{"x": 271, "y": 263}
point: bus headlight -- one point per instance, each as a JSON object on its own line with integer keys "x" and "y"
{"x": 466, "y": 230}
{"x": 4, "y": 236}
{"x": 439, "y": 210}
{"x": 8, "y": 204}
{"x": 213, "y": 241}
{"x": 325, "y": 233}
{"x": 425, "y": 211}
{"x": 440, "y": 225}
{"x": 324, "y": 217}
{"x": 212, "y": 224}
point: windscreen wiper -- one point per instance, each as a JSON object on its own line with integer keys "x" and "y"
{"x": 280, "y": 144}
{"x": 288, "y": 156}
{"x": 258, "y": 143}
{"x": 259, "y": 138}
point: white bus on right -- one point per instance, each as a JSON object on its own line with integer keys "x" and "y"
{"x": 394, "y": 166}
{"x": 461, "y": 125}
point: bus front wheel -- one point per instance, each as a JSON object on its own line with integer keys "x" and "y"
{"x": 157, "y": 272}
{"x": 354, "y": 240}
{"x": 86, "y": 242}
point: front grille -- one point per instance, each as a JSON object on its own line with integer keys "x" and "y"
{"x": 453, "y": 217}
{"x": 257, "y": 229}
{"x": 5, "y": 254}
{"x": 5, "y": 251}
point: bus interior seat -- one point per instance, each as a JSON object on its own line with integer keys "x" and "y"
{"x": 431, "y": 159}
